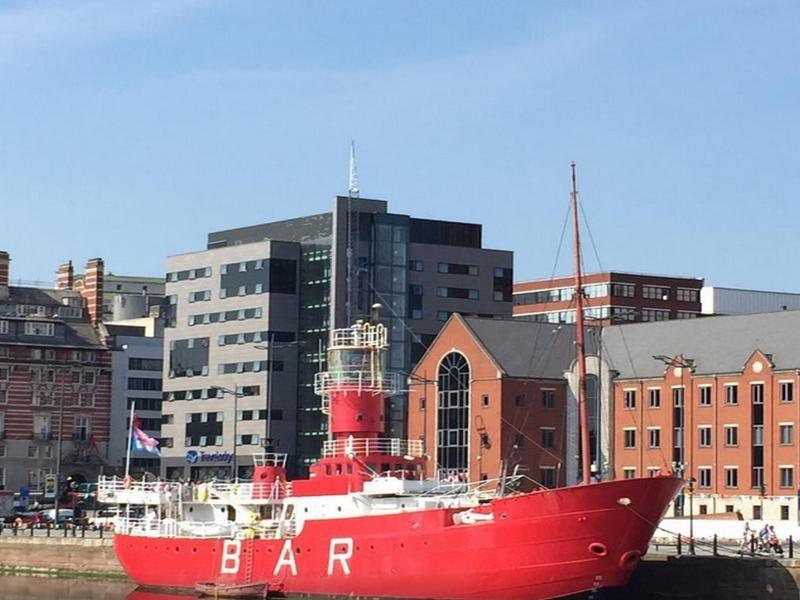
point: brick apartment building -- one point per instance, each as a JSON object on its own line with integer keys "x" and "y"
{"x": 490, "y": 390}
{"x": 610, "y": 298}
{"x": 716, "y": 400}
{"x": 55, "y": 380}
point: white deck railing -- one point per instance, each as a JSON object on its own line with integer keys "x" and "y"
{"x": 365, "y": 446}
{"x": 356, "y": 380}
{"x": 112, "y": 490}
{"x": 152, "y": 526}
{"x": 359, "y": 336}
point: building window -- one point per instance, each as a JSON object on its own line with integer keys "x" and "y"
{"x": 548, "y": 398}
{"x": 677, "y": 397}
{"x": 653, "y": 471}
{"x": 705, "y": 395}
{"x": 442, "y": 315}
{"x": 629, "y": 438}
{"x": 654, "y": 437}
{"x": 519, "y": 400}
{"x": 547, "y": 476}
{"x": 784, "y": 512}
{"x": 629, "y": 472}
{"x": 655, "y": 398}
{"x": 461, "y": 293}
{"x": 458, "y": 269}
{"x": 655, "y": 292}
{"x": 3, "y": 327}
{"x": 704, "y": 477}
{"x": 654, "y": 314}
{"x": 453, "y": 415}
{"x": 630, "y": 399}
{"x": 485, "y": 400}
{"x": 731, "y": 477}
{"x": 705, "y": 436}
{"x": 787, "y": 477}
{"x": 731, "y": 394}
{"x": 416, "y": 265}
{"x": 787, "y": 434}
{"x": 757, "y": 393}
{"x": 416, "y": 313}
{"x": 687, "y": 295}
{"x": 731, "y": 435}
{"x": 786, "y": 391}
{"x": 548, "y": 437}
{"x": 626, "y": 290}
{"x": 40, "y": 329}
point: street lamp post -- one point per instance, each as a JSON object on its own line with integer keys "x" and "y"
{"x": 269, "y": 347}
{"x": 692, "y": 481}
{"x": 236, "y": 395}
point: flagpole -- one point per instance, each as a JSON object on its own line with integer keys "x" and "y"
{"x": 130, "y": 441}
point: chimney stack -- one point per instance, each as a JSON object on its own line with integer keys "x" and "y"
{"x": 5, "y": 273}
{"x": 93, "y": 289}
{"x": 65, "y": 279}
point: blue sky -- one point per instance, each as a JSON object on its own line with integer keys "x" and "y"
{"x": 128, "y": 130}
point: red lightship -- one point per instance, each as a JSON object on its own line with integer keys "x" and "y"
{"x": 368, "y": 523}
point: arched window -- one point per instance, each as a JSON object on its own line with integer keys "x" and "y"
{"x": 453, "y": 416}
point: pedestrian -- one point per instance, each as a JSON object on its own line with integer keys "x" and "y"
{"x": 747, "y": 535}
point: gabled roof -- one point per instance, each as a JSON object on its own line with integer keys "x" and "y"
{"x": 716, "y": 344}
{"x": 528, "y": 349}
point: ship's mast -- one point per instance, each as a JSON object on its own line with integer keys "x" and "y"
{"x": 583, "y": 414}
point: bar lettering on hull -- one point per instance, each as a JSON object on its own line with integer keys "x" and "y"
{"x": 286, "y": 558}
{"x": 345, "y": 547}
{"x": 231, "y": 550}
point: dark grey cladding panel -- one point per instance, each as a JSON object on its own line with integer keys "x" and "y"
{"x": 304, "y": 229}
{"x": 445, "y": 233}
{"x": 276, "y": 275}
{"x": 183, "y": 358}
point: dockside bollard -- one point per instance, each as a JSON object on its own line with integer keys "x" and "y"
{"x": 101, "y": 533}
{"x": 31, "y": 531}
{"x": 791, "y": 547}
{"x": 16, "y": 529}
{"x": 715, "y": 544}
{"x": 49, "y": 529}
{"x": 752, "y": 544}
{"x": 678, "y": 545}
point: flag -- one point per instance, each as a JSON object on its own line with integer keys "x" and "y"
{"x": 143, "y": 442}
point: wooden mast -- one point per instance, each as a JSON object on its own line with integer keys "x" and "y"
{"x": 583, "y": 414}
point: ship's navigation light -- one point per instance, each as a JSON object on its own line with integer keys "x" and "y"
{"x": 624, "y": 501}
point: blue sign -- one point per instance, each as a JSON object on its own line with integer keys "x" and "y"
{"x": 194, "y": 457}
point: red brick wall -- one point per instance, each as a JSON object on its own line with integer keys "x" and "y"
{"x": 93, "y": 289}
{"x": 502, "y": 420}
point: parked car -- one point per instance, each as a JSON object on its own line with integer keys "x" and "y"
{"x": 104, "y": 518}
{"x": 65, "y": 515}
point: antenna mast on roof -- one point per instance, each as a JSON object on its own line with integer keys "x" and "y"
{"x": 352, "y": 192}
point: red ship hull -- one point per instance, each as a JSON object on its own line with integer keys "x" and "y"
{"x": 540, "y": 545}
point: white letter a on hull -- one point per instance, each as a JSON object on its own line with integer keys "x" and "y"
{"x": 286, "y": 559}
